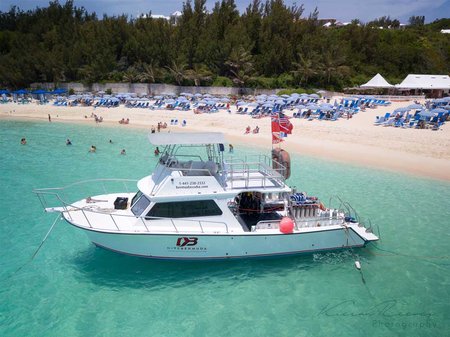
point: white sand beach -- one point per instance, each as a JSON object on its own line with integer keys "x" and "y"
{"x": 424, "y": 153}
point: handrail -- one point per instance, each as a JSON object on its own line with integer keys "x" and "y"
{"x": 69, "y": 209}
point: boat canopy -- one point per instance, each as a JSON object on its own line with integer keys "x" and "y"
{"x": 186, "y": 138}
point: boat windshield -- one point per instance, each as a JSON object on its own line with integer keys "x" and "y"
{"x": 140, "y": 205}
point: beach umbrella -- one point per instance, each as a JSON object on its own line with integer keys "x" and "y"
{"x": 39, "y": 92}
{"x": 312, "y": 106}
{"x": 238, "y": 103}
{"x": 438, "y": 110}
{"x": 207, "y": 95}
{"x": 426, "y": 113}
{"x": 268, "y": 105}
{"x": 314, "y": 96}
{"x": 21, "y": 92}
{"x": 58, "y": 91}
{"x": 401, "y": 110}
{"x": 295, "y": 95}
{"x": 284, "y": 96}
{"x": 325, "y": 108}
{"x": 415, "y": 106}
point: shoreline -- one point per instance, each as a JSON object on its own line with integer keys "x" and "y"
{"x": 421, "y": 153}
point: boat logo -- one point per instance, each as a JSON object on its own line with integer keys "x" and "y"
{"x": 184, "y": 241}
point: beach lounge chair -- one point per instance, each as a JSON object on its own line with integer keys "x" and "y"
{"x": 389, "y": 122}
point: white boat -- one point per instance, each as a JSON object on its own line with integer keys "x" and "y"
{"x": 199, "y": 205}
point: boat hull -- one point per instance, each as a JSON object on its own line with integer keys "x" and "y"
{"x": 181, "y": 246}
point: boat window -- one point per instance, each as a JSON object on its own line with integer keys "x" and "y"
{"x": 185, "y": 209}
{"x": 140, "y": 205}
{"x": 136, "y": 197}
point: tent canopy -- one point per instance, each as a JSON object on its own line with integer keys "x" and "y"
{"x": 414, "y": 81}
{"x": 377, "y": 81}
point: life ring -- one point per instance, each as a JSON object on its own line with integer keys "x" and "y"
{"x": 281, "y": 161}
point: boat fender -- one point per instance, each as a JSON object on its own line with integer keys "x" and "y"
{"x": 280, "y": 156}
{"x": 286, "y": 225}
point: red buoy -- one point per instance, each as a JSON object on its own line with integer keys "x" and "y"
{"x": 286, "y": 225}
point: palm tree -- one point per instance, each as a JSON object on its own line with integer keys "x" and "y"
{"x": 333, "y": 65}
{"x": 198, "y": 73}
{"x": 178, "y": 71}
{"x": 240, "y": 63}
{"x": 148, "y": 73}
{"x": 305, "y": 68}
{"x": 131, "y": 75}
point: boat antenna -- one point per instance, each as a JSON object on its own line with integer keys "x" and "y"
{"x": 40, "y": 246}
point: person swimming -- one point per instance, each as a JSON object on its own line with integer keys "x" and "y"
{"x": 123, "y": 151}
{"x": 93, "y": 148}
{"x": 68, "y": 142}
{"x": 23, "y": 141}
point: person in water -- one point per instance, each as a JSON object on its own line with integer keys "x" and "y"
{"x": 23, "y": 141}
{"x": 68, "y": 142}
{"x": 93, "y": 148}
{"x": 157, "y": 151}
{"x": 123, "y": 151}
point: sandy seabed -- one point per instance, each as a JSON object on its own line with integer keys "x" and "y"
{"x": 357, "y": 141}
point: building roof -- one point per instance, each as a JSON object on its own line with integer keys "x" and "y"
{"x": 377, "y": 81}
{"x": 186, "y": 138}
{"x": 414, "y": 81}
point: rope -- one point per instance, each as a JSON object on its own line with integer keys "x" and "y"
{"x": 423, "y": 257}
{"x": 37, "y": 250}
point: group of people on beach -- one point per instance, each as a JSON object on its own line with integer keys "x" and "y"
{"x": 160, "y": 126}
{"x": 248, "y": 129}
{"x": 124, "y": 121}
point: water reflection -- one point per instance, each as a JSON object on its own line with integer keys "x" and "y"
{"x": 100, "y": 266}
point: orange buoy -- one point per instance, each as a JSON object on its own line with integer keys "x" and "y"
{"x": 286, "y": 225}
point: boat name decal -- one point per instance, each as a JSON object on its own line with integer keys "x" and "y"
{"x": 184, "y": 241}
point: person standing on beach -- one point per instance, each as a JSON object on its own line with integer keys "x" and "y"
{"x": 231, "y": 148}
{"x": 49, "y": 118}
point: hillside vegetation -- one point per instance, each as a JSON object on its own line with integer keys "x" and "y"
{"x": 269, "y": 45}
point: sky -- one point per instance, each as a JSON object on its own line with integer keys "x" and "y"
{"x": 342, "y": 10}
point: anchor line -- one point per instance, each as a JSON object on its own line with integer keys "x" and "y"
{"x": 37, "y": 250}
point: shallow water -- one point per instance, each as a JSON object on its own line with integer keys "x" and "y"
{"x": 72, "y": 288}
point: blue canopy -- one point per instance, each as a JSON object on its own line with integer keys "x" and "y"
{"x": 21, "y": 92}
{"x": 58, "y": 91}
{"x": 4, "y": 91}
{"x": 39, "y": 92}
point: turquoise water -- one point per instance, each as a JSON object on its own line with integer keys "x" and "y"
{"x": 72, "y": 288}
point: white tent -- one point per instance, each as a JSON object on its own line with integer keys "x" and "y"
{"x": 377, "y": 81}
{"x": 413, "y": 81}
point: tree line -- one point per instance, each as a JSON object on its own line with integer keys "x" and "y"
{"x": 269, "y": 45}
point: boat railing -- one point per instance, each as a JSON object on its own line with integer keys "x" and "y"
{"x": 353, "y": 216}
{"x": 252, "y": 171}
{"x": 322, "y": 220}
{"x": 58, "y": 199}
{"x": 85, "y": 187}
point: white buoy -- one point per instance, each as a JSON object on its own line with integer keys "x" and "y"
{"x": 358, "y": 265}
